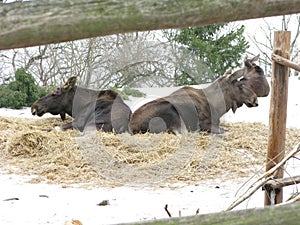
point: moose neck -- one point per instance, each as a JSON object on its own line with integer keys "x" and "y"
{"x": 68, "y": 101}
{"x": 217, "y": 98}
{"x": 80, "y": 98}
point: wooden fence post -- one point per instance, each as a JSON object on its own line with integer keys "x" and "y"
{"x": 278, "y": 112}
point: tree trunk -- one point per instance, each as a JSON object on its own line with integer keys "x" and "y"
{"x": 32, "y": 23}
{"x": 275, "y": 215}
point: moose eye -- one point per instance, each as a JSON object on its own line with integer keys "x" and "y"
{"x": 57, "y": 91}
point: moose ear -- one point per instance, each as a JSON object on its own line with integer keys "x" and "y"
{"x": 234, "y": 76}
{"x": 228, "y": 72}
{"x": 255, "y": 58}
{"x": 70, "y": 83}
{"x": 249, "y": 63}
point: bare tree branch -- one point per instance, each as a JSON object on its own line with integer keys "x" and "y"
{"x": 264, "y": 178}
{"x": 37, "y": 57}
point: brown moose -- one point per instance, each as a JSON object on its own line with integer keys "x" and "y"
{"x": 104, "y": 109}
{"x": 194, "y": 109}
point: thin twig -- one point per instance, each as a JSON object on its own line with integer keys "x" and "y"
{"x": 295, "y": 150}
{"x": 263, "y": 179}
{"x": 293, "y": 199}
{"x": 166, "y": 209}
{"x": 248, "y": 193}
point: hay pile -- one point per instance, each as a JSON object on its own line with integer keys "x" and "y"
{"x": 108, "y": 159}
{"x": 51, "y": 156}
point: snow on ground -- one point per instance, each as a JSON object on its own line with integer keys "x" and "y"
{"x": 52, "y": 204}
{"x": 55, "y": 204}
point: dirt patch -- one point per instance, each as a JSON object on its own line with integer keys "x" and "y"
{"x": 33, "y": 147}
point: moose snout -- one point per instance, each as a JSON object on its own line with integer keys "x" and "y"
{"x": 253, "y": 103}
{"x": 33, "y": 111}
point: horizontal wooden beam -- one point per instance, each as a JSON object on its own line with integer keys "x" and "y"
{"x": 285, "y": 62}
{"x": 31, "y": 23}
{"x": 282, "y": 182}
{"x": 275, "y": 215}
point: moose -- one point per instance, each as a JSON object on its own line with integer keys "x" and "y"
{"x": 191, "y": 109}
{"x": 104, "y": 109}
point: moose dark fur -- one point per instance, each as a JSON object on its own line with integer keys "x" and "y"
{"x": 104, "y": 109}
{"x": 255, "y": 78}
{"x": 194, "y": 109}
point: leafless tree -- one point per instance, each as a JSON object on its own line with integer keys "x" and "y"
{"x": 265, "y": 46}
{"x": 116, "y": 60}
{"x": 139, "y": 59}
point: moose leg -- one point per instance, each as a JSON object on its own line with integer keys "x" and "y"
{"x": 217, "y": 130}
{"x": 215, "y": 127}
{"x": 63, "y": 116}
{"x": 66, "y": 126}
{"x": 212, "y": 127}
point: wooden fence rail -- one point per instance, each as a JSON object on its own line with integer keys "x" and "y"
{"x": 282, "y": 182}
{"x": 286, "y": 62}
{"x": 32, "y": 23}
{"x": 275, "y": 215}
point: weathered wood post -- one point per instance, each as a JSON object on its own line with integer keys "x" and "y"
{"x": 278, "y": 112}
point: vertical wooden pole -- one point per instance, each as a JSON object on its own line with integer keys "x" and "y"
{"x": 278, "y": 112}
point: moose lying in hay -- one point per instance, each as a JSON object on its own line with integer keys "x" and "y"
{"x": 194, "y": 109}
{"x": 105, "y": 109}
